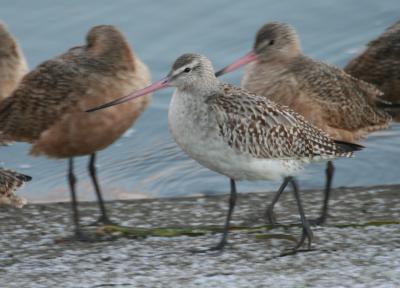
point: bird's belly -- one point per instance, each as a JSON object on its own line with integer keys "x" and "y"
{"x": 209, "y": 149}
{"x": 243, "y": 167}
{"x": 80, "y": 133}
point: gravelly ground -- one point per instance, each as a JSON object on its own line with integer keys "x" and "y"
{"x": 342, "y": 257}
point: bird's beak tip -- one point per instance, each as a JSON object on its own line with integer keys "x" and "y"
{"x": 249, "y": 57}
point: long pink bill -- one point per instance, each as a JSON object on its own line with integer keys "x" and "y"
{"x": 249, "y": 57}
{"x": 163, "y": 83}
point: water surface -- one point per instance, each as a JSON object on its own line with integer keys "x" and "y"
{"x": 146, "y": 162}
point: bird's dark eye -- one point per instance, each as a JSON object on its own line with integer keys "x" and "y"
{"x": 271, "y": 42}
{"x": 187, "y": 70}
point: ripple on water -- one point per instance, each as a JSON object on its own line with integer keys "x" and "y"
{"x": 146, "y": 162}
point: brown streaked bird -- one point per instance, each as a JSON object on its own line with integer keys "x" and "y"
{"x": 12, "y": 63}
{"x": 12, "y": 68}
{"x": 9, "y": 182}
{"x": 239, "y": 134}
{"x": 379, "y": 64}
{"x": 48, "y": 107}
{"x": 335, "y": 102}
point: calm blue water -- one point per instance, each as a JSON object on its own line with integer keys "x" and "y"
{"x": 146, "y": 162}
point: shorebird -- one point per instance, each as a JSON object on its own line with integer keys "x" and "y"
{"x": 48, "y": 107}
{"x": 12, "y": 63}
{"x": 13, "y": 67}
{"x": 342, "y": 106}
{"x": 379, "y": 64}
{"x": 239, "y": 134}
{"x": 9, "y": 182}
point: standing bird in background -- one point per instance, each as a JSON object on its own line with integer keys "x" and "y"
{"x": 48, "y": 107}
{"x": 9, "y": 182}
{"x": 239, "y": 134}
{"x": 342, "y": 106}
{"x": 379, "y": 64}
{"x": 12, "y": 68}
{"x": 12, "y": 63}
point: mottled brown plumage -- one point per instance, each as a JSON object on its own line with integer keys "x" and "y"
{"x": 9, "y": 182}
{"x": 257, "y": 126}
{"x": 48, "y": 107}
{"x": 337, "y": 103}
{"x": 379, "y": 64}
{"x": 12, "y": 63}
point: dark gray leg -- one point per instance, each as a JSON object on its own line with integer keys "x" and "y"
{"x": 307, "y": 233}
{"x": 93, "y": 175}
{"x": 75, "y": 213}
{"x": 232, "y": 203}
{"x": 269, "y": 213}
{"x": 330, "y": 169}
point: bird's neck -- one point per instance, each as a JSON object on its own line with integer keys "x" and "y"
{"x": 192, "y": 100}
{"x": 200, "y": 90}
{"x": 271, "y": 69}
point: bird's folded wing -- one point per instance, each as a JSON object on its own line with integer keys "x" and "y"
{"x": 254, "y": 125}
{"x": 347, "y": 102}
{"x": 41, "y": 98}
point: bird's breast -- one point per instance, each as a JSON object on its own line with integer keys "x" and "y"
{"x": 190, "y": 124}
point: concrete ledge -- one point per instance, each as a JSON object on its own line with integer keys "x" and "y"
{"x": 346, "y": 253}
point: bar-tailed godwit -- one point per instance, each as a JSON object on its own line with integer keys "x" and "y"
{"x": 239, "y": 134}
{"x": 332, "y": 100}
{"x": 48, "y": 107}
{"x": 12, "y": 68}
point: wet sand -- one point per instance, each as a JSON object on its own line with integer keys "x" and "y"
{"x": 348, "y": 255}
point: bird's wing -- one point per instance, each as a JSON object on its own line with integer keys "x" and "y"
{"x": 40, "y": 100}
{"x": 253, "y": 124}
{"x": 9, "y": 182}
{"x": 347, "y": 102}
{"x": 379, "y": 63}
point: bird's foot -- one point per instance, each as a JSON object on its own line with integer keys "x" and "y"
{"x": 293, "y": 252}
{"x": 318, "y": 221}
{"x": 81, "y": 236}
{"x": 78, "y": 236}
{"x": 306, "y": 234}
{"x": 217, "y": 248}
